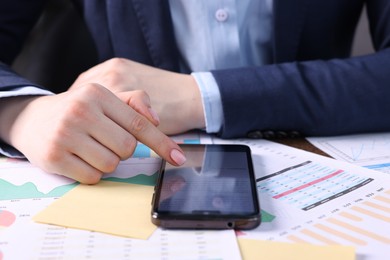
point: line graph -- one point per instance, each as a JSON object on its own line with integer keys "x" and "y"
{"x": 359, "y": 148}
{"x": 23, "y": 181}
{"x": 368, "y": 150}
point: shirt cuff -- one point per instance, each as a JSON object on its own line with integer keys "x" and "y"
{"x": 6, "y": 149}
{"x": 25, "y": 91}
{"x": 211, "y": 99}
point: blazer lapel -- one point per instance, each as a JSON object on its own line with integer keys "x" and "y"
{"x": 289, "y": 17}
{"x": 156, "y": 24}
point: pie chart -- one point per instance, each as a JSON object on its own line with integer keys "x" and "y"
{"x": 7, "y": 218}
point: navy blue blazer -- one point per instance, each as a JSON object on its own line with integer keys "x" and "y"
{"x": 312, "y": 87}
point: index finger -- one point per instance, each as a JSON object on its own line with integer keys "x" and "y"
{"x": 143, "y": 130}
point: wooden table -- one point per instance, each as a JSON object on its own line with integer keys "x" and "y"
{"x": 300, "y": 143}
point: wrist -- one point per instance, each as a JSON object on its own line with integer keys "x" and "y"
{"x": 196, "y": 109}
{"x": 11, "y": 110}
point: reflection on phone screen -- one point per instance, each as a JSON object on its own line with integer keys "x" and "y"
{"x": 210, "y": 182}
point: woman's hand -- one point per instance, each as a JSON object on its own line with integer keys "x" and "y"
{"x": 85, "y": 132}
{"x": 175, "y": 97}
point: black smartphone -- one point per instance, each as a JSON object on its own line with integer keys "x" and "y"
{"x": 214, "y": 189}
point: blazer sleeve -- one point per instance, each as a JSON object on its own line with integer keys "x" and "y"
{"x": 315, "y": 97}
{"x": 17, "y": 18}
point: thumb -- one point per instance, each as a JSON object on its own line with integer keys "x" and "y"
{"x": 139, "y": 100}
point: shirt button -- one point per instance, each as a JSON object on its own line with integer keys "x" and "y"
{"x": 221, "y": 15}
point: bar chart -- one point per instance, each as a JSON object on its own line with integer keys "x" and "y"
{"x": 364, "y": 224}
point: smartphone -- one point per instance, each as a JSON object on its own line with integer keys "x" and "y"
{"x": 214, "y": 189}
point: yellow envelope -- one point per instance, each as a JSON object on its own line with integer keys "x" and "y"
{"x": 115, "y": 208}
{"x": 260, "y": 249}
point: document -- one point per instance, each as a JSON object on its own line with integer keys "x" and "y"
{"x": 23, "y": 195}
{"x": 307, "y": 198}
{"x": 253, "y": 249}
{"x": 367, "y": 150}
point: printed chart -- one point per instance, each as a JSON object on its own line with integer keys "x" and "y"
{"x": 304, "y": 198}
{"x": 23, "y": 181}
{"x": 7, "y": 218}
{"x": 41, "y": 241}
{"x": 368, "y": 150}
{"x": 20, "y": 180}
{"x": 308, "y": 185}
{"x": 26, "y": 190}
{"x": 318, "y": 200}
{"x": 358, "y": 225}
{"x": 360, "y": 220}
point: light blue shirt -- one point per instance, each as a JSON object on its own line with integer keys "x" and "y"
{"x": 220, "y": 34}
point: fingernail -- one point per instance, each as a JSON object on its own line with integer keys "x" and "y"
{"x": 154, "y": 115}
{"x": 178, "y": 157}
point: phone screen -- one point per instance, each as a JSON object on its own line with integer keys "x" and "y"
{"x": 215, "y": 188}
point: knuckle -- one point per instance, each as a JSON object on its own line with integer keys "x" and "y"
{"x": 113, "y": 78}
{"x": 141, "y": 95}
{"x": 161, "y": 144}
{"x": 119, "y": 72}
{"x": 91, "y": 90}
{"x": 129, "y": 145}
{"x": 110, "y": 164}
{"x": 116, "y": 61}
{"x": 52, "y": 157}
{"x": 61, "y": 131}
{"x": 138, "y": 125}
{"x": 91, "y": 177}
{"x": 56, "y": 147}
{"x": 77, "y": 109}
